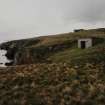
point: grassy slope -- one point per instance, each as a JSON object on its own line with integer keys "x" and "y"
{"x": 58, "y": 48}
{"x": 77, "y": 56}
{"x": 53, "y": 84}
{"x": 58, "y": 83}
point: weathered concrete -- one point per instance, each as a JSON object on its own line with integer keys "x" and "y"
{"x": 88, "y": 42}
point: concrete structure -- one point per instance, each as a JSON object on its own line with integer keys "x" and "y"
{"x": 79, "y": 30}
{"x": 84, "y": 43}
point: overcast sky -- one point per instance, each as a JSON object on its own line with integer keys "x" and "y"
{"x": 30, "y": 18}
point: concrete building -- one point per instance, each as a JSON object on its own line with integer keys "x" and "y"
{"x": 84, "y": 43}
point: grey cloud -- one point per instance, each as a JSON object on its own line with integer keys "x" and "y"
{"x": 85, "y": 10}
{"x": 27, "y": 18}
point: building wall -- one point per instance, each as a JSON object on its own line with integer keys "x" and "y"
{"x": 88, "y": 42}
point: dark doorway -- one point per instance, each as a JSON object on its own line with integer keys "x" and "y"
{"x": 83, "y": 44}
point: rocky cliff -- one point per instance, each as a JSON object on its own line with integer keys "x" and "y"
{"x": 33, "y": 50}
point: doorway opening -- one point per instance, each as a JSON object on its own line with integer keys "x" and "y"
{"x": 83, "y": 44}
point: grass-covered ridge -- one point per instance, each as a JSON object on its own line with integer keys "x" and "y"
{"x": 56, "y": 48}
{"x": 52, "y": 70}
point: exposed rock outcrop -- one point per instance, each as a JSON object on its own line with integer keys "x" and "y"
{"x": 20, "y": 53}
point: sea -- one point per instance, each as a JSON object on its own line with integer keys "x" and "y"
{"x": 3, "y": 58}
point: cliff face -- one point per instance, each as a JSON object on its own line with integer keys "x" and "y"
{"x": 23, "y": 53}
{"x": 14, "y": 49}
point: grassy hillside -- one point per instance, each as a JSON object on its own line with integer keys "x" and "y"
{"x": 57, "y": 48}
{"x": 53, "y": 84}
{"x": 52, "y": 70}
